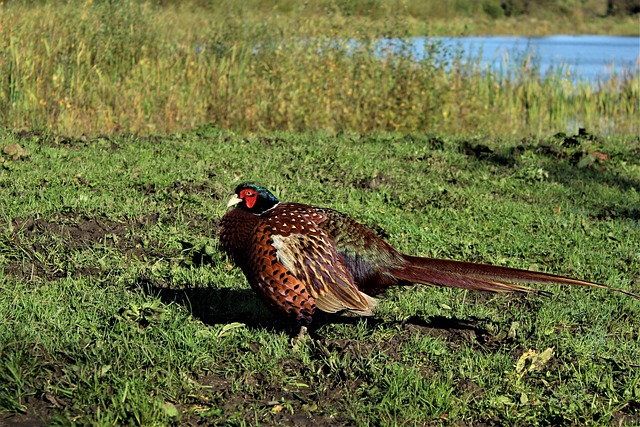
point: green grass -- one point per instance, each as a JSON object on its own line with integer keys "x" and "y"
{"x": 85, "y": 68}
{"x": 119, "y": 309}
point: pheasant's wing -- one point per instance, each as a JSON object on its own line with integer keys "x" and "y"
{"x": 312, "y": 258}
{"x": 367, "y": 257}
{"x": 372, "y": 262}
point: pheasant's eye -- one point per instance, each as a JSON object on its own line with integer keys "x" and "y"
{"x": 246, "y": 193}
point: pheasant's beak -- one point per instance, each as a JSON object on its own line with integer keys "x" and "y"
{"x": 234, "y": 201}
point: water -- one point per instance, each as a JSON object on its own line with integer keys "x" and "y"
{"x": 582, "y": 57}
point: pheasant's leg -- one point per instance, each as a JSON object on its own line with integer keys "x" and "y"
{"x": 302, "y": 335}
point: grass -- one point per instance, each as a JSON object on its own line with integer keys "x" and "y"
{"x": 85, "y": 68}
{"x": 119, "y": 309}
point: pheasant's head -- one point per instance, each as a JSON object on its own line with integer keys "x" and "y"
{"x": 253, "y": 198}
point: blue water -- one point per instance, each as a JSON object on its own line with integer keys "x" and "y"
{"x": 580, "y": 57}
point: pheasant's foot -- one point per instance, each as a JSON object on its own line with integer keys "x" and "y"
{"x": 302, "y": 336}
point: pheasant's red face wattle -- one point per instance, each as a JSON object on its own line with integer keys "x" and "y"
{"x": 249, "y": 196}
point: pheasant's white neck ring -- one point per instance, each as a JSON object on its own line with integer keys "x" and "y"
{"x": 267, "y": 210}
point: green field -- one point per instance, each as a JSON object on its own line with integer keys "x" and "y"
{"x": 118, "y": 308}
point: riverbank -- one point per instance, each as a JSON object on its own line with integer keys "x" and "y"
{"x": 529, "y": 26}
{"x": 96, "y": 68}
{"x": 400, "y": 18}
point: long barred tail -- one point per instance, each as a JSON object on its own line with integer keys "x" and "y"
{"x": 483, "y": 277}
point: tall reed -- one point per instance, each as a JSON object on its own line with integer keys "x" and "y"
{"x": 90, "y": 68}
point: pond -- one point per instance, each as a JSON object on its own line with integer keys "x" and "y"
{"x": 584, "y": 57}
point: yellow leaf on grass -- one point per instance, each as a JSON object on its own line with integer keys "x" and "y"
{"x": 536, "y": 361}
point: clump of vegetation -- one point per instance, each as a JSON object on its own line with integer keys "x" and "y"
{"x": 104, "y": 67}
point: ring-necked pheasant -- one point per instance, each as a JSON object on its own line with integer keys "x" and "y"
{"x": 301, "y": 258}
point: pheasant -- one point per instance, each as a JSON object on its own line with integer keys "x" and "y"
{"x": 301, "y": 259}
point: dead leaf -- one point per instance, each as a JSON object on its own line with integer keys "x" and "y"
{"x": 600, "y": 155}
{"x": 536, "y": 361}
{"x": 15, "y": 151}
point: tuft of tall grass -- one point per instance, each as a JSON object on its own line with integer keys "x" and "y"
{"x": 104, "y": 67}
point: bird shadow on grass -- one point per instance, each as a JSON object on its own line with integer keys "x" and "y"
{"x": 220, "y": 306}
{"x": 217, "y": 306}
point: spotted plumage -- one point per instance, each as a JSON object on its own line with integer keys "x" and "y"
{"x": 300, "y": 259}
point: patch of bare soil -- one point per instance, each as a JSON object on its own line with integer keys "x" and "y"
{"x": 206, "y": 187}
{"x": 63, "y": 141}
{"x": 38, "y": 406}
{"x": 43, "y": 240}
{"x": 36, "y": 414}
{"x": 624, "y": 419}
{"x": 289, "y": 406}
{"x": 320, "y": 401}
